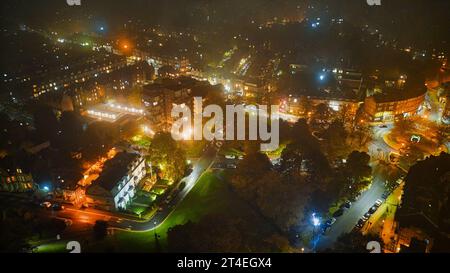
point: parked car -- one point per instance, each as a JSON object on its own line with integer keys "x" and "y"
{"x": 330, "y": 222}
{"x": 373, "y": 209}
{"x": 366, "y": 216}
{"x": 324, "y": 228}
{"x": 46, "y": 205}
{"x": 58, "y": 206}
{"x": 182, "y": 186}
{"x": 338, "y": 213}
{"x": 379, "y": 202}
{"x": 346, "y": 205}
{"x": 361, "y": 223}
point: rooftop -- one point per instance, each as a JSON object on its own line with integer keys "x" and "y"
{"x": 115, "y": 169}
{"x": 390, "y": 95}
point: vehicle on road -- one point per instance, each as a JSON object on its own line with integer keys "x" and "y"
{"x": 383, "y": 126}
{"x": 378, "y": 203}
{"x": 324, "y": 228}
{"x": 361, "y": 223}
{"x": 339, "y": 213}
{"x": 330, "y": 222}
{"x": 189, "y": 171}
{"x": 230, "y": 157}
{"x": 367, "y": 216}
{"x": 346, "y": 205}
{"x": 46, "y": 205}
{"x": 182, "y": 185}
{"x": 373, "y": 209}
{"x": 57, "y": 207}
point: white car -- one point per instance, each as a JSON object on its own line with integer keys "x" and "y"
{"x": 378, "y": 202}
{"x": 46, "y": 205}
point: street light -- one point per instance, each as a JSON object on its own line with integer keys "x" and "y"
{"x": 315, "y": 220}
{"x": 316, "y": 223}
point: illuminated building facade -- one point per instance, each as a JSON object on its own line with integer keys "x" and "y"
{"x": 16, "y": 181}
{"x": 116, "y": 186}
{"x": 77, "y": 73}
{"x": 159, "y": 99}
{"x": 380, "y": 108}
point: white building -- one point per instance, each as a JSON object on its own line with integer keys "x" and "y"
{"x": 116, "y": 186}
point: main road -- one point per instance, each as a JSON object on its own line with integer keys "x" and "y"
{"x": 347, "y": 222}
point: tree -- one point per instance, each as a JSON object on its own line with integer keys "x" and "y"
{"x": 322, "y": 112}
{"x": 249, "y": 171}
{"x": 358, "y": 173}
{"x": 335, "y": 140}
{"x": 98, "y": 139}
{"x": 427, "y": 191}
{"x": 71, "y": 128}
{"x": 216, "y": 233}
{"x": 358, "y": 165}
{"x": 100, "y": 230}
{"x": 303, "y": 154}
{"x": 45, "y": 122}
{"x": 282, "y": 200}
{"x": 165, "y": 154}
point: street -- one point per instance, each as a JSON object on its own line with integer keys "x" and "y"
{"x": 347, "y": 222}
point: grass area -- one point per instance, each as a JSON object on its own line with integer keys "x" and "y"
{"x": 141, "y": 141}
{"x": 193, "y": 149}
{"x": 158, "y": 191}
{"x": 277, "y": 153}
{"x": 210, "y": 194}
{"x": 55, "y": 247}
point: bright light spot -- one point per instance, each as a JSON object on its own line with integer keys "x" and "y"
{"x": 315, "y": 220}
{"x": 187, "y": 134}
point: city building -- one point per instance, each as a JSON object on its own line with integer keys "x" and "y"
{"x": 64, "y": 77}
{"x": 180, "y": 63}
{"x": 159, "y": 99}
{"x": 16, "y": 180}
{"x": 116, "y": 186}
{"x": 110, "y": 85}
{"x": 388, "y": 107}
{"x": 303, "y": 105}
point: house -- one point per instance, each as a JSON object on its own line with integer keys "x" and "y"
{"x": 116, "y": 185}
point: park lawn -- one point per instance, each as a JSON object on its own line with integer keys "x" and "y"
{"x": 210, "y": 194}
{"x": 54, "y": 247}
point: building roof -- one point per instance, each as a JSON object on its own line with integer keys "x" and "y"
{"x": 172, "y": 84}
{"x": 392, "y": 95}
{"x": 114, "y": 170}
